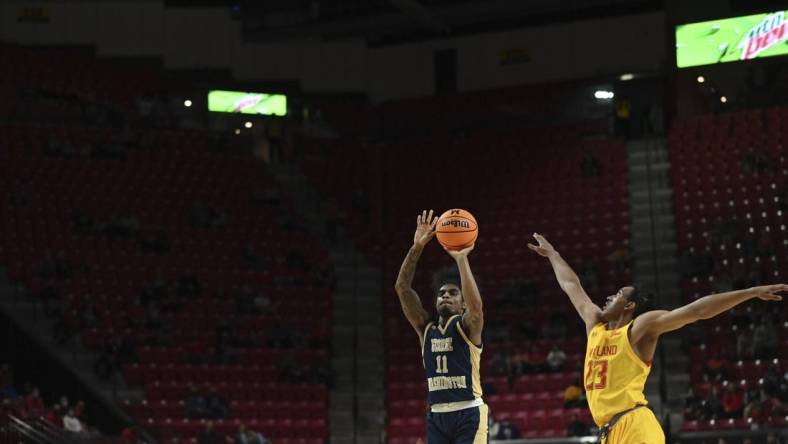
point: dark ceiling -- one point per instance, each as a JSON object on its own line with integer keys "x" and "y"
{"x": 393, "y": 21}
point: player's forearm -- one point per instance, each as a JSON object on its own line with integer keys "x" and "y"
{"x": 408, "y": 270}
{"x": 712, "y": 305}
{"x": 470, "y": 291}
{"x": 563, "y": 272}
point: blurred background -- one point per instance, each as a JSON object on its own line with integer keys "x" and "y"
{"x": 205, "y": 205}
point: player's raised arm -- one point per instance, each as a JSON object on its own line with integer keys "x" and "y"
{"x": 654, "y": 323}
{"x": 473, "y": 318}
{"x": 408, "y": 298}
{"x": 569, "y": 282}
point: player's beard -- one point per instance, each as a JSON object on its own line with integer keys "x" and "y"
{"x": 445, "y": 311}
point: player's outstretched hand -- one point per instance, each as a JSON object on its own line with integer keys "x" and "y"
{"x": 544, "y": 248}
{"x": 770, "y": 292}
{"x": 425, "y": 228}
{"x": 461, "y": 254}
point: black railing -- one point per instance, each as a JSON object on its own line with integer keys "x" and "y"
{"x": 35, "y": 431}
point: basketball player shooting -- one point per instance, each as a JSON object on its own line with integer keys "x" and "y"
{"x": 622, "y": 339}
{"x": 451, "y": 346}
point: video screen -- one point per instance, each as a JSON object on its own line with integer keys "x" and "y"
{"x": 247, "y": 103}
{"x": 732, "y": 39}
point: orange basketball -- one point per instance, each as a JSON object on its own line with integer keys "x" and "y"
{"x": 457, "y": 229}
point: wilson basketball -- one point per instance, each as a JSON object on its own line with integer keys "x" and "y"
{"x": 457, "y": 229}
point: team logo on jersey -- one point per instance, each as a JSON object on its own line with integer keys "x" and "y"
{"x": 441, "y": 345}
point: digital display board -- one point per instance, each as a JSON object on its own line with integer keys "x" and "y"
{"x": 247, "y": 103}
{"x": 732, "y": 39}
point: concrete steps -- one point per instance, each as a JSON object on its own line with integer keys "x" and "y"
{"x": 654, "y": 251}
{"x": 357, "y": 411}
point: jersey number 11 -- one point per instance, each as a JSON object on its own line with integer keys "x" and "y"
{"x": 441, "y": 368}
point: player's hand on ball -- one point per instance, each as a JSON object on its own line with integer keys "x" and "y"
{"x": 770, "y": 292}
{"x": 461, "y": 254}
{"x": 544, "y": 248}
{"x": 425, "y": 228}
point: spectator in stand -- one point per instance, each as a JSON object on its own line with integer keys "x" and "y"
{"x": 754, "y": 410}
{"x": 524, "y": 362}
{"x": 556, "y": 359}
{"x": 269, "y": 195}
{"x": 765, "y": 339}
{"x": 244, "y": 301}
{"x": 208, "y": 435}
{"x": 196, "y": 405}
{"x": 716, "y": 368}
{"x": 251, "y": 258}
{"x": 500, "y": 364}
{"x": 504, "y": 431}
{"x": 772, "y": 385}
{"x": 535, "y": 361}
{"x": 5, "y": 375}
{"x": 573, "y": 395}
{"x": 498, "y": 333}
{"x": 555, "y": 328}
{"x": 248, "y": 436}
{"x": 577, "y": 427}
{"x": 784, "y": 198}
{"x": 765, "y": 243}
{"x": 71, "y": 423}
{"x": 290, "y": 371}
{"x": 589, "y": 276}
{"x": 23, "y": 194}
{"x": 529, "y": 330}
{"x": 262, "y": 303}
{"x": 518, "y": 293}
{"x": 693, "y": 406}
{"x": 713, "y": 404}
{"x": 590, "y": 166}
{"x": 745, "y": 343}
{"x": 79, "y": 410}
{"x": 755, "y": 162}
{"x": 620, "y": 258}
{"x": 732, "y": 402}
{"x": 130, "y": 435}
{"x": 323, "y": 374}
{"x": 34, "y": 403}
{"x": 217, "y": 406}
{"x": 156, "y": 242}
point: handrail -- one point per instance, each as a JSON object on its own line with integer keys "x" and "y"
{"x": 39, "y": 431}
{"x": 56, "y": 432}
{"x": 28, "y": 431}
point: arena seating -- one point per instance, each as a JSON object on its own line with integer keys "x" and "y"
{"x": 154, "y": 183}
{"x": 729, "y": 177}
{"x": 514, "y": 187}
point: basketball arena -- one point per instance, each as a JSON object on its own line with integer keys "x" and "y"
{"x": 393, "y": 222}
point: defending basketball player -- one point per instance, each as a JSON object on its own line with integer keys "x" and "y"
{"x": 451, "y": 346}
{"x": 622, "y": 339}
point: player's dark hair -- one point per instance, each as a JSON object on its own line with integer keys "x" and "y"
{"x": 447, "y": 275}
{"x": 642, "y": 301}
